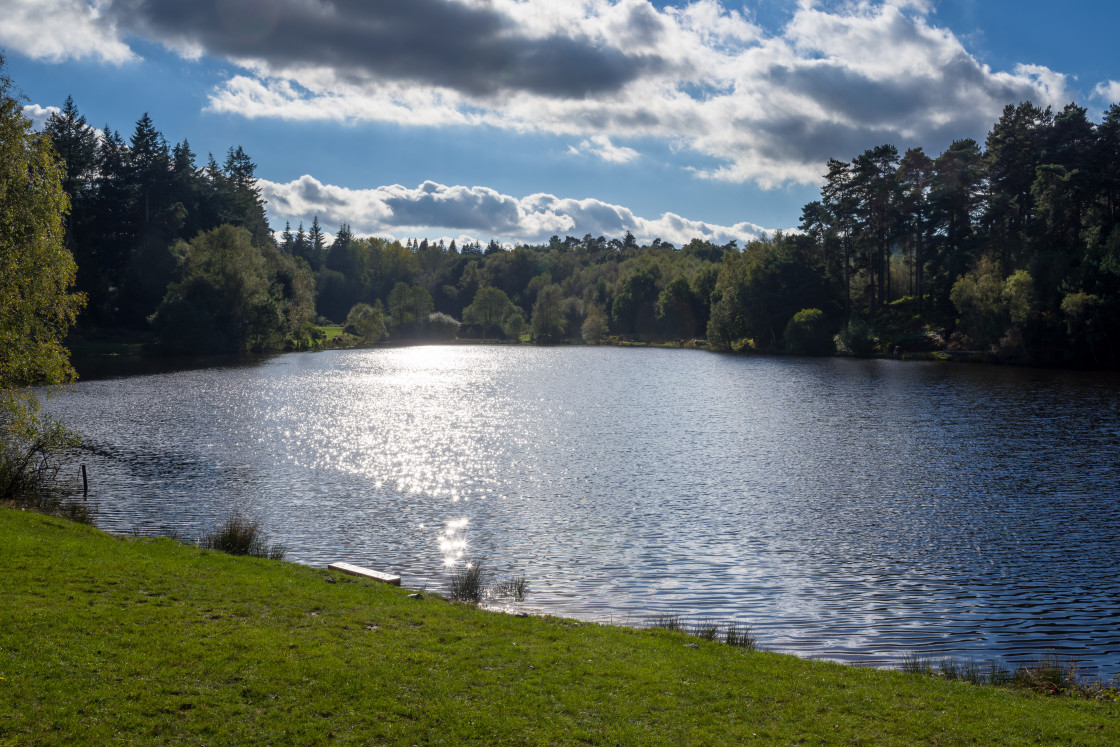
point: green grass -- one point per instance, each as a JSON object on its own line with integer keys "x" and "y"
{"x": 108, "y": 639}
{"x": 331, "y": 332}
{"x": 1048, "y": 674}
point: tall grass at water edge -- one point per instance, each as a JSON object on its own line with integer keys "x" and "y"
{"x": 468, "y": 583}
{"x": 733, "y": 634}
{"x": 1049, "y": 675}
{"x": 29, "y": 469}
{"x": 242, "y": 536}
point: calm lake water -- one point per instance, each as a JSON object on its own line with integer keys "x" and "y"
{"x": 850, "y": 510}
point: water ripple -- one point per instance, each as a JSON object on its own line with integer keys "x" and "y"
{"x": 854, "y": 510}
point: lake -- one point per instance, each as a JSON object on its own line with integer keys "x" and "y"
{"x": 844, "y": 509}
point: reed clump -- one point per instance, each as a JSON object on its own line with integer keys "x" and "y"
{"x": 514, "y": 587}
{"x": 733, "y": 634}
{"x": 705, "y": 630}
{"x": 740, "y": 637}
{"x": 468, "y": 583}
{"x": 239, "y": 535}
{"x": 668, "y": 622}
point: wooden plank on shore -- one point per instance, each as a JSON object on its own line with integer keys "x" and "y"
{"x": 357, "y": 570}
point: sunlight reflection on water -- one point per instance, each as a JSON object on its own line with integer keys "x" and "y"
{"x": 847, "y": 509}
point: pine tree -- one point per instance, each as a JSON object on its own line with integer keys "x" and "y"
{"x": 186, "y": 189}
{"x": 76, "y": 144}
{"x": 244, "y": 205}
{"x": 873, "y": 179}
{"x": 955, "y": 197}
{"x": 839, "y": 200}
{"x": 1013, "y": 152}
{"x": 299, "y": 247}
{"x": 287, "y": 241}
{"x": 915, "y": 177}
{"x": 343, "y": 238}
{"x": 315, "y": 244}
{"x": 149, "y": 170}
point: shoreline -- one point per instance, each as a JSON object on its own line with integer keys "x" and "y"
{"x": 108, "y": 636}
{"x": 133, "y": 359}
{"x": 869, "y": 659}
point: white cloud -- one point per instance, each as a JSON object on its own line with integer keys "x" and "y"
{"x": 62, "y": 29}
{"x": 767, "y": 106}
{"x": 600, "y": 146}
{"x": 39, "y": 114}
{"x": 1051, "y": 85}
{"x": 769, "y": 109}
{"x": 478, "y": 213}
{"x": 1108, "y": 91}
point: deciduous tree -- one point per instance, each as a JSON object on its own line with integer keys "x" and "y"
{"x": 37, "y": 306}
{"x": 37, "y": 271}
{"x": 489, "y": 310}
{"x": 548, "y": 314}
{"x": 366, "y": 322}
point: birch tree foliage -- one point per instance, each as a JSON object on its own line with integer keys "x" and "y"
{"x": 37, "y": 306}
{"x": 37, "y": 271}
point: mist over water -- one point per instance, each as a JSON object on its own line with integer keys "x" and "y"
{"x": 853, "y": 510}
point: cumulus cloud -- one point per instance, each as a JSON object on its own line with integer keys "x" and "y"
{"x": 62, "y": 29}
{"x": 471, "y": 47}
{"x": 601, "y": 146}
{"x": 478, "y": 213}
{"x": 1108, "y": 92}
{"x": 39, "y": 114}
{"x": 767, "y": 106}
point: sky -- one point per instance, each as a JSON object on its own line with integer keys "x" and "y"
{"x": 517, "y": 120}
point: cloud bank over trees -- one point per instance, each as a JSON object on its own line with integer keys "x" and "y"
{"x": 481, "y": 213}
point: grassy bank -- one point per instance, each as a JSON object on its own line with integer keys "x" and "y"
{"x": 106, "y": 639}
{"x": 330, "y": 333}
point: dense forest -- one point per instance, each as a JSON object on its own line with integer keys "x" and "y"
{"x": 1008, "y": 250}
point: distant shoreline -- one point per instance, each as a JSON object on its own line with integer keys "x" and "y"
{"x": 132, "y": 359}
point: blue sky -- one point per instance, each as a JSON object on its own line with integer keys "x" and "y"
{"x": 520, "y": 119}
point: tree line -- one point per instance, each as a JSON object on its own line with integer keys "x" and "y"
{"x": 1009, "y": 249}
{"x": 166, "y": 246}
{"x": 1012, "y": 247}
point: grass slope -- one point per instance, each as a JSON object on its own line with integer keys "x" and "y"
{"x": 331, "y": 332}
{"x": 107, "y": 639}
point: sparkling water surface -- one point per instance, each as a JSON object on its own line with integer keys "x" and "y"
{"x": 850, "y": 510}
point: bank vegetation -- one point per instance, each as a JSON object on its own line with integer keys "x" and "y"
{"x": 1004, "y": 250}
